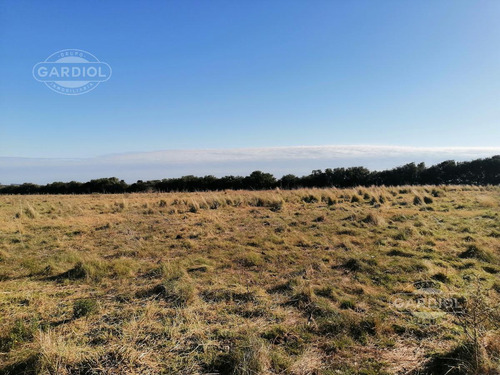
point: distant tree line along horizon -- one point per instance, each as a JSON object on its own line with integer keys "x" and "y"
{"x": 476, "y": 172}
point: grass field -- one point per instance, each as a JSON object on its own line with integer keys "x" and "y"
{"x": 241, "y": 282}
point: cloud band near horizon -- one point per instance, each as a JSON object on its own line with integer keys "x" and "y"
{"x": 297, "y": 160}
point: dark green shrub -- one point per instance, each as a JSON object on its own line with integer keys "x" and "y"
{"x": 441, "y": 277}
{"x": 22, "y": 331}
{"x": 326, "y": 291}
{"x": 474, "y": 252}
{"x": 85, "y": 307}
{"x": 276, "y": 205}
{"x": 348, "y": 324}
{"x": 417, "y": 200}
{"x": 178, "y": 292}
{"x": 437, "y": 193}
{"x": 355, "y": 199}
{"x": 399, "y": 253}
{"x": 247, "y": 357}
{"x": 292, "y": 342}
{"x": 491, "y": 270}
{"x": 215, "y": 204}
{"x": 456, "y": 362}
{"x": 79, "y": 271}
{"x": 331, "y": 202}
{"x": 360, "y": 329}
{"x": 353, "y": 265}
{"x": 347, "y": 305}
{"x": 309, "y": 199}
{"x": 403, "y": 235}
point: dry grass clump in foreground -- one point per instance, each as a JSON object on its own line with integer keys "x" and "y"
{"x": 310, "y": 281}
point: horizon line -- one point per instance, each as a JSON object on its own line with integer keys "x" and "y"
{"x": 279, "y": 160}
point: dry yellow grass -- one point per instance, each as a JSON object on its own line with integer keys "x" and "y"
{"x": 239, "y": 282}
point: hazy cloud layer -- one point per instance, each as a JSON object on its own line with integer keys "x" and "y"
{"x": 278, "y": 160}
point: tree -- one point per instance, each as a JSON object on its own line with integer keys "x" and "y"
{"x": 259, "y": 180}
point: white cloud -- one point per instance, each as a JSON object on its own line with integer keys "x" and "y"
{"x": 278, "y": 160}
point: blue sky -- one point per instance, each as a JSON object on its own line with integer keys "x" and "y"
{"x": 248, "y": 74}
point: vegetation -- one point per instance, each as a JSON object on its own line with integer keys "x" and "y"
{"x": 305, "y": 281}
{"x": 476, "y": 172}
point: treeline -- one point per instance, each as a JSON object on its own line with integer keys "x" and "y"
{"x": 476, "y": 172}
